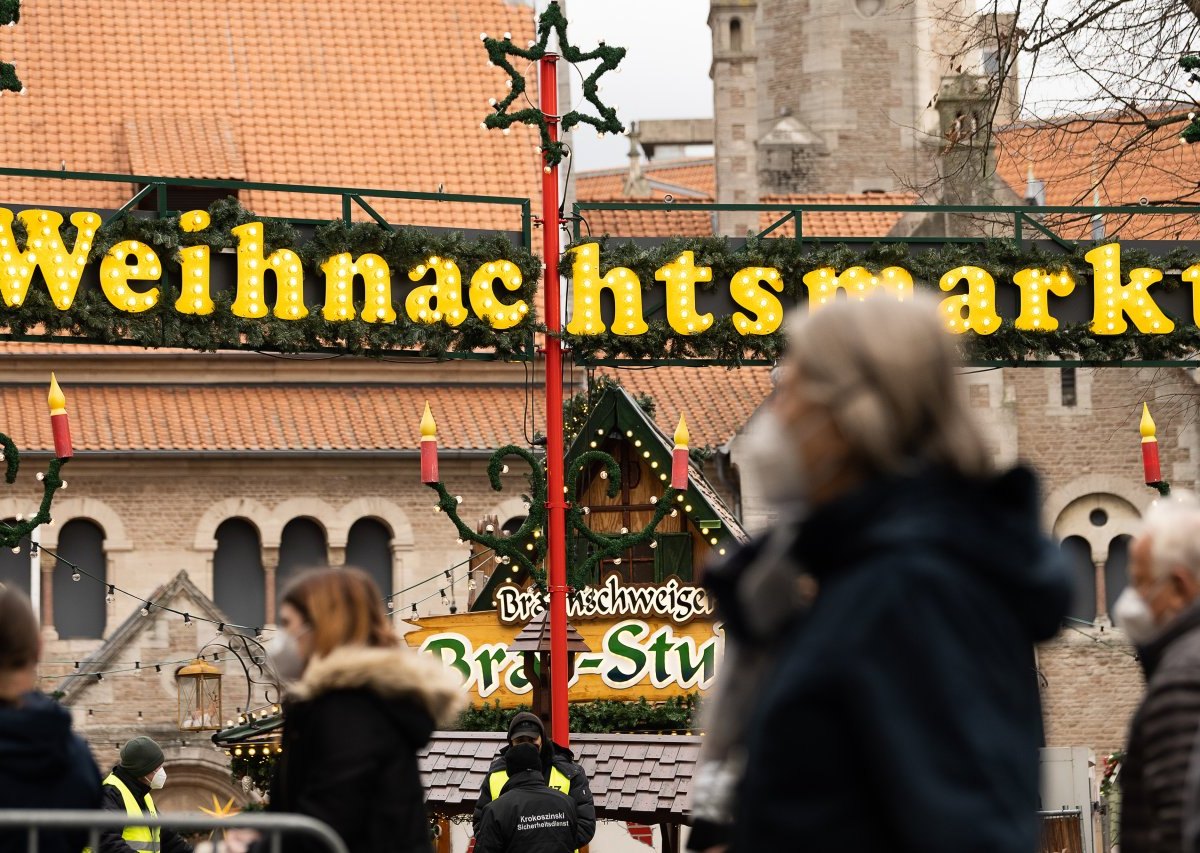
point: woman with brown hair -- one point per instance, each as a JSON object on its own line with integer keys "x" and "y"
{"x": 43, "y": 764}
{"x": 358, "y": 706}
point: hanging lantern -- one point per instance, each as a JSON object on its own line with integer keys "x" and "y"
{"x": 199, "y": 697}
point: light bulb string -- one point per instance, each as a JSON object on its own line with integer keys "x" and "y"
{"x": 148, "y": 605}
{"x": 442, "y": 590}
{"x": 437, "y": 574}
{"x": 138, "y": 667}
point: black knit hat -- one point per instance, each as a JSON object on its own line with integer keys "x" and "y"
{"x": 523, "y": 756}
{"x": 141, "y": 757}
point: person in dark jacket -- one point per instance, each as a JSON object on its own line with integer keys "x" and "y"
{"x": 43, "y": 764}
{"x": 127, "y": 789}
{"x": 358, "y": 707}
{"x": 529, "y": 816}
{"x": 879, "y": 690}
{"x": 559, "y": 770}
{"x": 1160, "y": 612}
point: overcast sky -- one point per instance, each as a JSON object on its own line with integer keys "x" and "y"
{"x": 664, "y": 74}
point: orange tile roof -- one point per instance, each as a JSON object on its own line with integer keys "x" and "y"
{"x": 695, "y": 175}
{"x": 716, "y": 401}
{"x": 682, "y": 222}
{"x": 244, "y": 418}
{"x": 824, "y": 223}
{"x": 676, "y": 222}
{"x": 154, "y": 143}
{"x": 361, "y": 93}
{"x": 1076, "y": 158}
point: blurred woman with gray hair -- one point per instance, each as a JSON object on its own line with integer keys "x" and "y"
{"x": 879, "y": 690}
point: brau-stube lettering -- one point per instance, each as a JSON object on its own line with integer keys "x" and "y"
{"x": 129, "y": 269}
{"x": 1119, "y": 301}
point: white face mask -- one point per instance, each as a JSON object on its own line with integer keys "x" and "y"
{"x": 774, "y": 460}
{"x": 284, "y": 654}
{"x": 159, "y": 778}
{"x": 1134, "y": 618}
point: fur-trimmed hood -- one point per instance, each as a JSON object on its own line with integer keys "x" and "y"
{"x": 392, "y": 673}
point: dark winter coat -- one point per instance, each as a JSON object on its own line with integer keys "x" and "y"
{"x": 1161, "y": 734}
{"x": 43, "y": 765}
{"x": 352, "y": 728}
{"x": 558, "y": 758}
{"x": 901, "y": 712}
{"x": 528, "y": 817}
{"x": 111, "y": 840}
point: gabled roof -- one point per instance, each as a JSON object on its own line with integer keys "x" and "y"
{"x": 617, "y": 410}
{"x": 179, "y": 593}
{"x": 357, "y": 93}
{"x": 641, "y": 778}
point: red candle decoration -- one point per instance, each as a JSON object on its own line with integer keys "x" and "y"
{"x": 679, "y": 459}
{"x": 1149, "y": 448}
{"x": 58, "y": 421}
{"x": 429, "y": 461}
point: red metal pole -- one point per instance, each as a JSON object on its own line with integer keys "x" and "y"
{"x": 556, "y": 502}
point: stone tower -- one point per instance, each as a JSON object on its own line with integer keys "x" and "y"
{"x": 735, "y": 109}
{"x": 842, "y": 92}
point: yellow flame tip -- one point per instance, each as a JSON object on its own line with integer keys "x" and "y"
{"x": 56, "y": 398}
{"x": 428, "y": 427}
{"x": 1147, "y": 425}
{"x": 681, "y": 432}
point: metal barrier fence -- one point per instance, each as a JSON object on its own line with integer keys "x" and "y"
{"x": 272, "y": 826}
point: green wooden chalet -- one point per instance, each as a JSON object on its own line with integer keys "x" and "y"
{"x": 703, "y": 529}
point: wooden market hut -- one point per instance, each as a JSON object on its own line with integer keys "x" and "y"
{"x": 704, "y": 528}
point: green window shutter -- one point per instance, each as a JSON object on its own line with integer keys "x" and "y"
{"x": 673, "y": 556}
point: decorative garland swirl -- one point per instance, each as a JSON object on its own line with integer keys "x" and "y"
{"x": 11, "y": 533}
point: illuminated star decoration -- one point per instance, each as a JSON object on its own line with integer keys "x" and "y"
{"x": 218, "y": 810}
{"x": 10, "y": 13}
{"x": 499, "y": 50}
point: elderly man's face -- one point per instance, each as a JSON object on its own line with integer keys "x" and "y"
{"x": 1166, "y": 596}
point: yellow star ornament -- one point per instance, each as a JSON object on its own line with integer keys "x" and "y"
{"x": 218, "y": 810}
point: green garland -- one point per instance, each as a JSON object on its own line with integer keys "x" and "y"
{"x": 93, "y": 318}
{"x": 1000, "y": 258}
{"x": 11, "y": 533}
{"x": 600, "y": 716}
{"x": 499, "y": 50}
{"x": 10, "y": 14}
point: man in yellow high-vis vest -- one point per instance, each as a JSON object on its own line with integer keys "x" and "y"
{"x": 559, "y": 769}
{"x": 127, "y": 789}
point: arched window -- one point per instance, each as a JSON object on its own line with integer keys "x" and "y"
{"x": 1116, "y": 570}
{"x": 79, "y": 606}
{"x": 1079, "y": 557}
{"x": 238, "y": 586}
{"x": 14, "y": 568}
{"x": 369, "y": 547}
{"x": 301, "y": 547}
{"x": 735, "y": 35}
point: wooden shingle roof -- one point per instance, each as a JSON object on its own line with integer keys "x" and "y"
{"x": 640, "y": 778}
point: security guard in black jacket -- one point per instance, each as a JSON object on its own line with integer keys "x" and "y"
{"x": 529, "y": 816}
